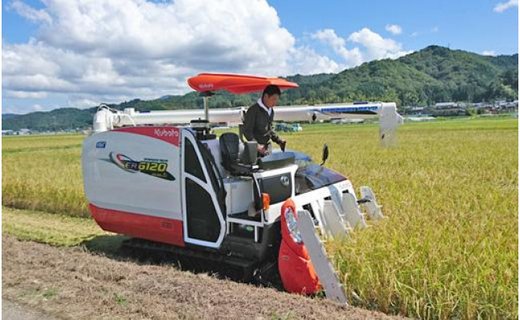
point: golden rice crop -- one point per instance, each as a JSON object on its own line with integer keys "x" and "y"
{"x": 43, "y": 173}
{"x": 448, "y": 247}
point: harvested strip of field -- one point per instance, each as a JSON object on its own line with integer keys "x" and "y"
{"x": 72, "y": 283}
{"x": 54, "y": 229}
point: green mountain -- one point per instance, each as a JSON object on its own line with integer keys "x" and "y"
{"x": 425, "y": 77}
{"x": 8, "y": 115}
{"x": 431, "y": 75}
{"x": 55, "y": 120}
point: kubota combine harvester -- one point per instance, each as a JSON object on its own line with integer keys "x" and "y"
{"x": 212, "y": 198}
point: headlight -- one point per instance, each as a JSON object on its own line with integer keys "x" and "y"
{"x": 292, "y": 225}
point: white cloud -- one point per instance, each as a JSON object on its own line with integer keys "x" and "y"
{"x": 200, "y": 34}
{"x": 435, "y": 29}
{"x": 37, "y": 107}
{"x": 87, "y": 52}
{"x": 394, "y": 29}
{"x": 352, "y": 57}
{"x": 503, "y": 6}
{"x": 376, "y": 46}
{"x": 29, "y": 12}
{"x": 373, "y": 46}
{"x": 489, "y": 53}
{"x": 85, "y": 102}
{"x": 24, "y": 94}
{"x": 305, "y": 60}
{"x": 123, "y": 49}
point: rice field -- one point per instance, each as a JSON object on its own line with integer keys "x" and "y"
{"x": 43, "y": 173}
{"x": 447, "y": 249}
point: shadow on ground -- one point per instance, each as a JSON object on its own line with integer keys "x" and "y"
{"x": 144, "y": 252}
{"x": 109, "y": 245}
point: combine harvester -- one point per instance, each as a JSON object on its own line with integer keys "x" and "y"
{"x": 183, "y": 190}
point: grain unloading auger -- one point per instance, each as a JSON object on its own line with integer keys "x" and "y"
{"x": 213, "y": 199}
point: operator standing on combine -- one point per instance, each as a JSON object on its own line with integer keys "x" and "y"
{"x": 258, "y": 122}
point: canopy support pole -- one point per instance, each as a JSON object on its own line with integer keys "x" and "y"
{"x": 205, "y": 97}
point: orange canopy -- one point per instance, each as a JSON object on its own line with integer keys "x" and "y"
{"x": 235, "y": 83}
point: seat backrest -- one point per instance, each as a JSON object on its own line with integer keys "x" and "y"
{"x": 241, "y": 132}
{"x": 229, "y": 144}
{"x": 249, "y": 155}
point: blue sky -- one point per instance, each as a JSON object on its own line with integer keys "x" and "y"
{"x": 467, "y": 25}
{"x": 74, "y": 54}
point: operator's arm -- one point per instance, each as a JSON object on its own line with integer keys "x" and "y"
{"x": 273, "y": 134}
{"x": 281, "y": 142}
{"x": 249, "y": 124}
{"x": 275, "y": 137}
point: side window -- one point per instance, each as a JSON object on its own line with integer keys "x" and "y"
{"x": 191, "y": 161}
{"x": 203, "y": 222}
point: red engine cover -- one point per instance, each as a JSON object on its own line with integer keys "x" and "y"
{"x": 296, "y": 270}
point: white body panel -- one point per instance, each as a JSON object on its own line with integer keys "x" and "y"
{"x": 239, "y": 192}
{"x": 231, "y": 115}
{"x": 325, "y": 112}
{"x": 109, "y": 186}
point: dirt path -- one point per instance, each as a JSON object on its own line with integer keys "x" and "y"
{"x": 74, "y": 284}
{"x": 15, "y": 311}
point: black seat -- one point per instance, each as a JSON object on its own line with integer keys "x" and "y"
{"x": 241, "y": 132}
{"x": 229, "y": 149}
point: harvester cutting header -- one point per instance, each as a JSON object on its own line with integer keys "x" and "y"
{"x": 214, "y": 198}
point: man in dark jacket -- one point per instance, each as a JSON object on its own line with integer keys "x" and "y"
{"x": 258, "y": 122}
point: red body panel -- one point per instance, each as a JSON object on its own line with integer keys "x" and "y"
{"x": 235, "y": 83}
{"x": 138, "y": 225}
{"x": 165, "y": 133}
{"x": 295, "y": 267}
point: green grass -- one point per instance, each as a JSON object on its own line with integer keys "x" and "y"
{"x": 59, "y": 230}
{"x": 448, "y": 248}
{"x": 50, "y": 293}
{"x": 120, "y": 300}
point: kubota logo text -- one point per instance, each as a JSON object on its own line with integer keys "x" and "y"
{"x": 166, "y": 133}
{"x": 205, "y": 86}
